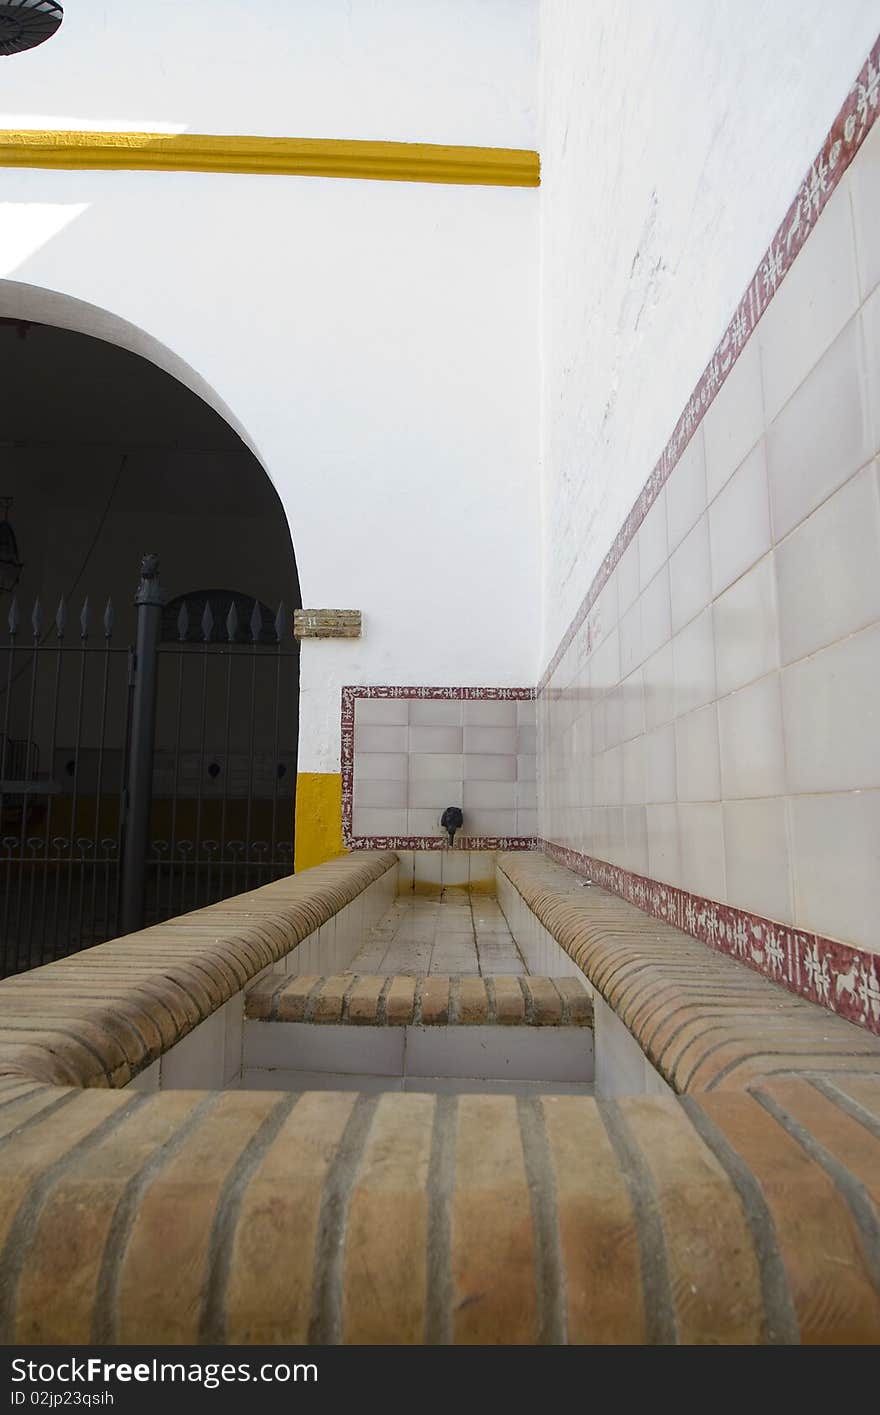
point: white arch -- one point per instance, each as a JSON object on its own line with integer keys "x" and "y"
{"x": 40, "y": 305}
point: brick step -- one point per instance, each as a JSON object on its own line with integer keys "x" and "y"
{"x": 401, "y": 1000}
{"x": 458, "y": 1033}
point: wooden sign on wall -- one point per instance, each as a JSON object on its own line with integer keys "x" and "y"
{"x": 326, "y": 623}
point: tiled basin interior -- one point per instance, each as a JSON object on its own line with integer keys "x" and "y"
{"x": 453, "y": 932}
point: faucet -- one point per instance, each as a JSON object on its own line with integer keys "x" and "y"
{"x": 451, "y": 821}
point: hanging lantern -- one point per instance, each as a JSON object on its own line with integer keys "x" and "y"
{"x": 26, "y": 23}
{"x": 10, "y": 565}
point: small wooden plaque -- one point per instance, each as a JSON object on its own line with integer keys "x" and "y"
{"x": 326, "y": 623}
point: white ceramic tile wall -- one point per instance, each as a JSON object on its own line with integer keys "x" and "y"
{"x": 210, "y": 1057}
{"x": 474, "y": 868}
{"x": 413, "y": 757}
{"x": 544, "y": 956}
{"x": 282, "y": 1079}
{"x": 621, "y": 1067}
{"x": 723, "y": 697}
{"x": 532, "y": 1054}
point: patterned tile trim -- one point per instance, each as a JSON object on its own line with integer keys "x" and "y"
{"x": 844, "y": 979}
{"x": 418, "y": 842}
{"x": 436, "y": 842}
{"x": 850, "y": 127}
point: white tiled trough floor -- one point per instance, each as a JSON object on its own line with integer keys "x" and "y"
{"x": 454, "y": 932}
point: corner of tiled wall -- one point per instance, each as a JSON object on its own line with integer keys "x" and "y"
{"x": 415, "y": 756}
{"x": 714, "y": 722}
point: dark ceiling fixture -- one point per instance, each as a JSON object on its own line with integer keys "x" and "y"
{"x": 10, "y": 565}
{"x": 26, "y": 23}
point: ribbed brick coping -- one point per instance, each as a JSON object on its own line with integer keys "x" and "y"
{"x": 742, "y": 1215}
{"x": 382, "y": 1000}
{"x": 703, "y": 1020}
{"x": 253, "y": 1217}
{"x": 102, "y": 1015}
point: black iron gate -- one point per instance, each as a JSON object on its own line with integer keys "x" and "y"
{"x": 139, "y": 782}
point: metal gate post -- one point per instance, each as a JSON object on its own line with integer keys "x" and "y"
{"x": 149, "y": 601}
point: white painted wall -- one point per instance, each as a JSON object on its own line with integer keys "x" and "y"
{"x": 673, "y": 137}
{"x": 376, "y": 342}
{"x": 442, "y": 71}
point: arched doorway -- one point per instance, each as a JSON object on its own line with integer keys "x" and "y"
{"x": 107, "y": 455}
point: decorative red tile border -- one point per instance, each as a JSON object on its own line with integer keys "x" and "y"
{"x": 418, "y": 842}
{"x": 838, "y": 976}
{"x": 844, "y": 979}
{"x": 850, "y": 127}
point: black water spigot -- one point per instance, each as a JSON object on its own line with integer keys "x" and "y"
{"x": 451, "y": 821}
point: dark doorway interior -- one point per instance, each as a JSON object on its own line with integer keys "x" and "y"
{"x": 105, "y": 457}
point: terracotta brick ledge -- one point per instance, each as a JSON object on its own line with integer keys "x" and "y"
{"x": 745, "y": 1217}
{"x": 100, "y": 1016}
{"x": 740, "y": 1215}
{"x": 383, "y": 1000}
{"x": 703, "y": 1020}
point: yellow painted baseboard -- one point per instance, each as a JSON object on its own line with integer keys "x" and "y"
{"x": 318, "y": 818}
{"x": 292, "y": 157}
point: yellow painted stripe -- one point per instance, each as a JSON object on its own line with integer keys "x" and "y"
{"x": 318, "y": 818}
{"x": 292, "y": 157}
